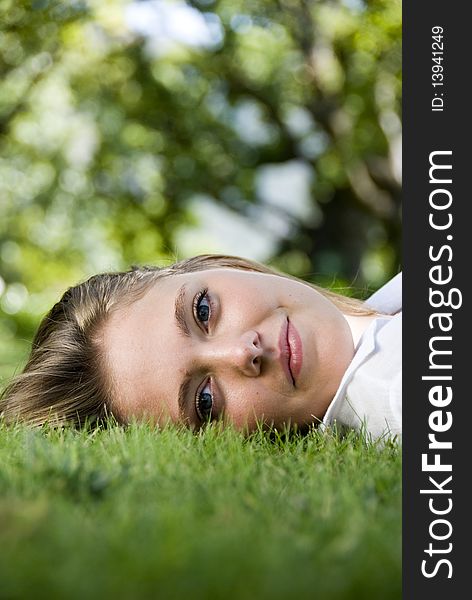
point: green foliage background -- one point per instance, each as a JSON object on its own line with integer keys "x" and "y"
{"x": 103, "y": 143}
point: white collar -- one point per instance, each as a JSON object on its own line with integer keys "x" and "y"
{"x": 365, "y": 348}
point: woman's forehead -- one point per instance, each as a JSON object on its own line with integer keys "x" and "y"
{"x": 138, "y": 341}
{"x": 217, "y": 274}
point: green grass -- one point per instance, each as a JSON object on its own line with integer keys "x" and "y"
{"x": 140, "y": 513}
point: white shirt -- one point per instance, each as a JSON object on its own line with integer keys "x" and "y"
{"x": 369, "y": 396}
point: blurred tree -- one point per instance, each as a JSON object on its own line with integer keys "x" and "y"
{"x": 113, "y": 115}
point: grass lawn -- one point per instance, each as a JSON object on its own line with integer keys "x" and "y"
{"x": 140, "y": 513}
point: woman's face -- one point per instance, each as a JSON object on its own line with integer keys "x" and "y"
{"x": 230, "y": 344}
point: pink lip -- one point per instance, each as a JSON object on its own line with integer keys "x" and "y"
{"x": 284, "y": 357}
{"x": 291, "y": 354}
{"x": 296, "y": 350}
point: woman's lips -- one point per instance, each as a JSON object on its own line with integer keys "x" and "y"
{"x": 284, "y": 357}
{"x": 291, "y": 354}
{"x": 296, "y": 350}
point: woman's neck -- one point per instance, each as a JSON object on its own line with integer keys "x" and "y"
{"x": 358, "y": 324}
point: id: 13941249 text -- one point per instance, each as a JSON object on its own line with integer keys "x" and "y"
{"x": 437, "y": 68}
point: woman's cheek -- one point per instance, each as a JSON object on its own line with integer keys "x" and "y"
{"x": 244, "y": 409}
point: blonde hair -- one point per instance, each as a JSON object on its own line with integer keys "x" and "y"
{"x": 65, "y": 380}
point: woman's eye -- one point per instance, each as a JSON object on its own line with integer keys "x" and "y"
{"x": 202, "y": 308}
{"x": 204, "y": 403}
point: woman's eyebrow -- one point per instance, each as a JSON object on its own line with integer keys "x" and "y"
{"x": 179, "y": 311}
{"x": 183, "y": 403}
{"x": 184, "y": 389}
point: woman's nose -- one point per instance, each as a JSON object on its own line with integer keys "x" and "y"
{"x": 243, "y": 352}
